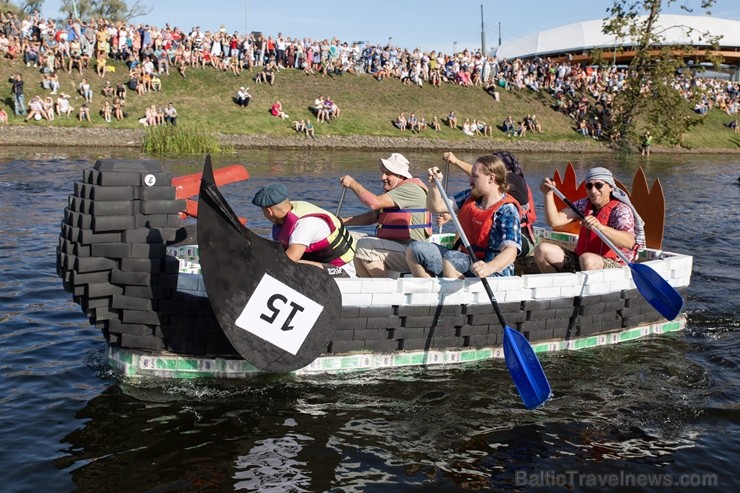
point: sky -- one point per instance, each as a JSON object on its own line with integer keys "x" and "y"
{"x": 427, "y": 24}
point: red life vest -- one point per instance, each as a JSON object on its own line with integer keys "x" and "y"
{"x": 529, "y": 215}
{"x": 336, "y": 249}
{"x": 589, "y": 241}
{"x": 477, "y": 222}
{"x": 396, "y": 224}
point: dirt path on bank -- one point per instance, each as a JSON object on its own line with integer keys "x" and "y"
{"x": 32, "y": 135}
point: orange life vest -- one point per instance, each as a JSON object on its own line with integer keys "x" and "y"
{"x": 396, "y": 224}
{"x": 477, "y": 223}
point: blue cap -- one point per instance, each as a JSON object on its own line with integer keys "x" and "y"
{"x": 272, "y": 194}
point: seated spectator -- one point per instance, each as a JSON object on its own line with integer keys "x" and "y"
{"x": 300, "y": 126}
{"x": 36, "y": 109}
{"x": 413, "y": 122}
{"x": 422, "y": 125}
{"x": 49, "y": 108}
{"x": 54, "y": 84}
{"x": 521, "y": 129}
{"x": 492, "y": 89}
{"x": 452, "y": 119}
{"x": 156, "y": 82}
{"x": 468, "y": 128}
{"x": 484, "y": 128}
{"x": 118, "y": 109}
{"x": 84, "y": 113}
{"x": 63, "y": 106}
{"x": 243, "y": 97}
{"x": 3, "y": 116}
{"x": 435, "y": 125}
{"x": 107, "y": 111}
{"x": 332, "y": 110}
{"x": 509, "y": 129}
{"x": 401, "y": 122}
{"x": 120, "y": 91}
{"x": 31, "y": 54}
{"x": 75, "y": 57}
{"x": 108, "y": 90}
{"x": 535, "y": 124}
{"x": 308, "y": 129}
{"x": 85, "y": 90}
{"x": 170, "y": 114}
{"x": 734, "y": 126}
{"x": 276, "y": 110}
{"x": 320, "y": 109}
{"x": 583, "y": 128}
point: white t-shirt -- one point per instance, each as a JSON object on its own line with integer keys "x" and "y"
{"x": 309, "y": 230}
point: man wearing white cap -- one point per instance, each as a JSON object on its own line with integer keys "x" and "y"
{"x": 400, "y": 213}
{"x": 608, "y": 209}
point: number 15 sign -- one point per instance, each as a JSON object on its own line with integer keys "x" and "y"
{"x": 279, "y": 314}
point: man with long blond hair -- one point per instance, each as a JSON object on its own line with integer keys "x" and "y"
{"x": 490, "y": 218}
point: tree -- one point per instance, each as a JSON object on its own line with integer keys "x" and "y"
{"x": 113, "y": 10}
{"x": 651, "y": 99}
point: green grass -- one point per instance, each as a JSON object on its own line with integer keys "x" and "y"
{"x": 368, "y": 107}
{"x": 181, "y": 139}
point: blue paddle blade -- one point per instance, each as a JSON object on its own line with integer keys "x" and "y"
{"x": 656, "y": 290}
{"x": 525, "y": 369}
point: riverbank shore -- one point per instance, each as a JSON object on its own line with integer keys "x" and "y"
{"x": 32, "y": 135}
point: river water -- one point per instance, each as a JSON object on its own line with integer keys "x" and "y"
{"x": 639, "y": 416}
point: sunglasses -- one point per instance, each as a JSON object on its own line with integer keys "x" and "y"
{"x": 599, "y": 185}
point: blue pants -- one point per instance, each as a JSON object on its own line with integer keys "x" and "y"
{"x": 20, "y": 104}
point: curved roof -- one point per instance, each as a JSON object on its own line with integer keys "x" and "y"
{"x": 587, "y": 35}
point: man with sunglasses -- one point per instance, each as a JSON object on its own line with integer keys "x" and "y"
{"x": 608, "y": 209}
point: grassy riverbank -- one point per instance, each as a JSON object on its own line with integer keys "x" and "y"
{"x": 368, "y": 108}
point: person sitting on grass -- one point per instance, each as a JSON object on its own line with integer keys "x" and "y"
{"x": 485, "y": 128}
{"x": 63, "y": 106}
{"x": 308, "y": 129}
{"x": 118, "y": 109}
{"x": 3, "y": 116}
{"x": 435, "y": 125}
{"x": 84, "y": 113}
{"x": 452, "y": 119}
{"x": 277, "y": 110}
{"x": 243, "y": 97}
{"x": 108, "y": 90}
{"x": 156, "y": 82}
{"x": 300, "y": 126}
{"x": 401, "y": 122}
{"x": 170, "y": 114}
{"x": 107, "y": 111}
{"x": 36, "y": 108}
{"x": 120, "y": 91}
{"x": 49, "y": 108}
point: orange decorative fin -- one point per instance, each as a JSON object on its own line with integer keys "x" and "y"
{"x": 573, "y": 191}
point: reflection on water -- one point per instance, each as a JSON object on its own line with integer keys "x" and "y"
{"x": 666, "y": 405}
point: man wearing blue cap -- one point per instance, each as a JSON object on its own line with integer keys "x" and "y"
{"x": 308, "y": 233}
{"x": 608, "y": 209}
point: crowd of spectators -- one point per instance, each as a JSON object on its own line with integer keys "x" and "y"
{"x": 583, "y": 93}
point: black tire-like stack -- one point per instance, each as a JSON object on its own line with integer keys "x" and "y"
{"x": 112, "y": 258}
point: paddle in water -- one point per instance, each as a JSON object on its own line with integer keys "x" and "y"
{"x": 524, "y": 367}
{"x": 656, "y": 290}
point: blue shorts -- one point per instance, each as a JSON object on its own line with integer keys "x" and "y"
{"x": 432, "y": 256}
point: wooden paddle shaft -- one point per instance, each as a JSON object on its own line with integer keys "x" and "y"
{"x": 471, "y": 252}
{"x": 598, "y": 232}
